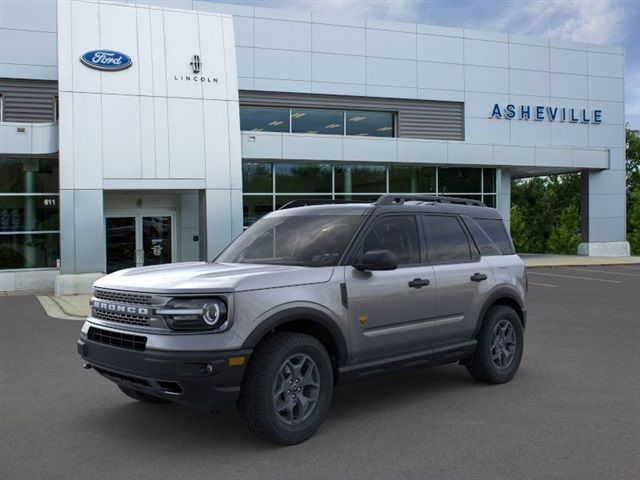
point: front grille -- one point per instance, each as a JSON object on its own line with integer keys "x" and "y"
{"x": 126, "y": 318}
{"x": 117, "y": 339}
{"x": 123, "y": 297}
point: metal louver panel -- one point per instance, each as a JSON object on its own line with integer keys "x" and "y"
{"x": 430, "y": 119}
{"x": 31, "y": 101}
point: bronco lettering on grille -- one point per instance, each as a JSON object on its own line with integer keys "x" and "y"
{"x": 112, "y": 307}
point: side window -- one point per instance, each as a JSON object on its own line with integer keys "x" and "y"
{"x": 484, "y": 243}
{"x": 398, "y": 233}
{"x": 497, "y": 232}
{"x": 448, "y": 242}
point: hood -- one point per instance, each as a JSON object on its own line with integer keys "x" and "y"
{"x": 199, "y": 277}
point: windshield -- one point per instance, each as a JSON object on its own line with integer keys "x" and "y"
{"x": 310, "y": 241}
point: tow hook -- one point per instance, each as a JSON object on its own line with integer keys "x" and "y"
{"x": 86, "y": 366}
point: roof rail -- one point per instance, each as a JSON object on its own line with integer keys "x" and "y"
{"x": 391, "y": 199}
{"x": 317, "y": 201}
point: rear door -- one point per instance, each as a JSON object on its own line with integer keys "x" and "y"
{"x": 462, "y": 278}
{"x": 390, "y": 311}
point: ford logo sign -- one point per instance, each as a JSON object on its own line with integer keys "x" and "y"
{"x": 108, "y": 60}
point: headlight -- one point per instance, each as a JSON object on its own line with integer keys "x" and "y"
{"x": 195, "y": 314}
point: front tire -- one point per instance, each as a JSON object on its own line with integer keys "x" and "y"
{"x": 500, "y": 345}
{"x": 287, "y": 388}
{"x": 141, "y": 396}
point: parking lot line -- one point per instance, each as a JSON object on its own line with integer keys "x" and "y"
{"x": 576, "y": 278}
{"x": 604, "y": 271}
{"x": 543, "y": 284}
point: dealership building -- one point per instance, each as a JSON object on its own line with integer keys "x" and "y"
{"x": 141, "y": 133}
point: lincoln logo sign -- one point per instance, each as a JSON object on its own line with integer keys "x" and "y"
{"x": 551, "y": 114}
{"x": 108, "y": 60}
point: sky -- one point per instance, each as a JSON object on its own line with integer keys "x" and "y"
{"x": 608, "y": 22}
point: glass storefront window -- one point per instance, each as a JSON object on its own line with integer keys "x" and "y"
{"x": 256, "y": 178}
{"x": 412, "y": 179}
{"x": 356, "y": 182}
{"x": 459, "y": 180}
{"x": 359, "y": 198}
{"x": 264, "y": 119}
{"x": 29, "y": 218}
{"x": 329, "y": 122}
{"x": 372, "y": 124}
{"x": 489, "y": 185}
{"x": 361, "y": 178}
{"x": 28, "y": 175}
{"x": 28, "y": 213}
{"x": 489, "y": 200}
{"x": 284, "y": 199}
{"x": 255, "y": 206}
{"x": 303, "y": 177}
{"x": 29, "y": 250}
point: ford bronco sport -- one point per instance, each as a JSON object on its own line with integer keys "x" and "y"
{"x": 311, "y": 296}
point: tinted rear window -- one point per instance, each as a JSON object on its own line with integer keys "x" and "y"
{"x": 484, "y": 243}
{"x": 446, "y": 240}
{"x": 496, "y": 231}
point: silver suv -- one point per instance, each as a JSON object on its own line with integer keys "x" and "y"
{"x": 311, "y": 296}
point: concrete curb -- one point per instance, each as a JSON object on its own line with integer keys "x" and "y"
{"x": 70, "y": 307}
{"x": 533, "y": 260}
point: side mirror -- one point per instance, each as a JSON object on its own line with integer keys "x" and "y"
{"x": 377, "y": 260}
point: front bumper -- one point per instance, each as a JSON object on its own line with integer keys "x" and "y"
{"x": 206, "y": 380}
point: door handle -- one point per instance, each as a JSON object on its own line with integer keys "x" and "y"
{"x": 419, "y": 283}
{"x": 478, "y": 277}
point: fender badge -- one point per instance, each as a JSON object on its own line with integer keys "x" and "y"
{"x": 362, "y": 318}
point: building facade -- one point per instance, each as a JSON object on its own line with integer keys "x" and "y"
{"x": 142, "y": 133}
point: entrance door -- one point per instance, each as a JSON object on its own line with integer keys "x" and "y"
{"x": 138, "y": 240}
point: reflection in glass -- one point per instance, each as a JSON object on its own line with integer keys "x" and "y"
{"x": 448, "y": 242}
{"x": 30, "y": 250}
{"x": 264, "y": 119}
{"x": 303, "y": 177}
{"x": 412, "y": 179}
{"x": 489, "y": 200}
{"x": 305, "y": 240}
{"x": 28, "y": 175}
{"x": 254, "y": 207}
{"x": 399, "y": 234}
{"x": 28, "y": 213}
{"x": 372, "y": 124}
{"x": 284, "y": 199}
{"x": 459, "y": 180}
{"x": 489, "y": 180}
{"x": 156, "y": 240}
{"x": 361, "y": 178}
{"x": 256, "y": 178}
{"x": 121, "y": 243}
{"x": 317, "y": 121}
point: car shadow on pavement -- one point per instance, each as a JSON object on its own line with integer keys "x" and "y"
{"x": 168, "y": 425}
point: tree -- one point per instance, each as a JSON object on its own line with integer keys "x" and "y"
{"x": 565, "y": 236}
{"x": 633, "y": 161}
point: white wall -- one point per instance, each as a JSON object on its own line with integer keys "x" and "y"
{"x": 145, "y": 127}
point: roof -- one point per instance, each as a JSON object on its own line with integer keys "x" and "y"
{"x": 390, "y": 203}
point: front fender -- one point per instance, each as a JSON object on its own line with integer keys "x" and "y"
{"x": 297, "y": 311}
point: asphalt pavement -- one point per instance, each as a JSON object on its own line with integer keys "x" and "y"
{"x": 572, "y": 411}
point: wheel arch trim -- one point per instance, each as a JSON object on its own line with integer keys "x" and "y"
{"x": 300, "y": 313}
{"x": 498, "y": 293}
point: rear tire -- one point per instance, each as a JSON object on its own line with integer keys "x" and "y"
{"x": 287, "y": 388}
{"x": 141, "y": 396}
{"x": 500, "y": 346}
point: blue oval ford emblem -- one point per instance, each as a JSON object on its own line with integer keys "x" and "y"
{"x": 106, "y": 60}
